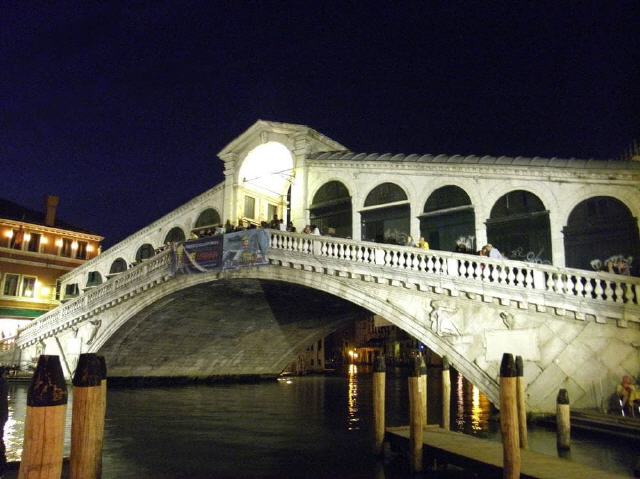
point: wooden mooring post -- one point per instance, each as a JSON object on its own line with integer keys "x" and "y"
{"x": 101, "y": 417}
{"x": 446, "y": 394}
{"x": 563, "y": 420}
{"x": 415, "y": 416}
{"x": 44, "y": 422}
{"x": 522, "y": 404}
{"x": 85, "y": 425}
{"x": 509, "y": 418}
{"x": 423, "y": 387}
{"x": 379, "y": 377}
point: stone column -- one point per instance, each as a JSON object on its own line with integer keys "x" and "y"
{"x": 557, "y": 239}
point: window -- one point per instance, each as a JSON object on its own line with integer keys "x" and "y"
{"x": 65, "y": 249}
{"x": 34, "y": 242}
{"x": 18, "y": 285}
{"x": 28, "y": 289}
{"x": 11, "y": 284}
{"x": 81, "y": 253}
{"x": 249, "y": 207}
{"x": 71, "y": 290}
{"x": 17, "y": 240}
{"x": 272, "y": 211}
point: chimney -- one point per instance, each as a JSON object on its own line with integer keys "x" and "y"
{"x": 51, "y": 204}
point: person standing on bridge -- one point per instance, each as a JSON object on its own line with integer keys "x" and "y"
{"x": 490, "y": 251}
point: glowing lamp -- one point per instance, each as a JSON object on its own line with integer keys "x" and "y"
{"x": 44, "y": 240}
{"x": 44, "y": 291}
{"x": 27, "y": 236}
{"x": 58, "y": 242}
{"x": 89, "y": 248}
{"x": 74, "y": 245}
{"x": 8, "y": 234}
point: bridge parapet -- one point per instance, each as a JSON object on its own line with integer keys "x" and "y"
{"x": 583, "y": 294}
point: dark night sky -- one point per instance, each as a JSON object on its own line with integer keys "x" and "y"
{"x": 120, "y": 108}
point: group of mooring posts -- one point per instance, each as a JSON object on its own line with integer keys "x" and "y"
{"x": 513, "y": 414}
{"x": 45, "y": 420}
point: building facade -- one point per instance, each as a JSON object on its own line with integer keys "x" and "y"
{"x": 35, "y": 250}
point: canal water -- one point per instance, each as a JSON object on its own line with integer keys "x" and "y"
{"x": 299, "y": 427}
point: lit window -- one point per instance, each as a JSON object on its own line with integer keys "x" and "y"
{"x": 249, "y": 207}
{"x": 10, "y": 284}
{"x": 28, "y": 287}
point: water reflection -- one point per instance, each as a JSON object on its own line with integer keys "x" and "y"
{"x": 473, "y": 408}
{"x": 353, "y": 418}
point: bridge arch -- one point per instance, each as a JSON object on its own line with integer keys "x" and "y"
{"x": 386, "y": 214}
{"x": 589, "y": 235}
{"x": 376, "y": 304}
{"x": 448, "y": 217}
{"x": 208, "y": 217}
{"x": 145, "y": 251}
{"x": 175, "y": 235}
{"x": 119, "y": 265}
{"x": 331, "y": 208}
{"x": 519, "y": 226}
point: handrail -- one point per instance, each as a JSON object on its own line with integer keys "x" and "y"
{"x": 516, "y": 275}
{"x": 477, "y": 272}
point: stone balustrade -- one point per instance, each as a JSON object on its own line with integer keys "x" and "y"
{"x": 565, "y": 291}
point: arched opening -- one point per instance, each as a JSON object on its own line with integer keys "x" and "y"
{"x": 175, "y": 235}
{"x": 386, "y": 215}
{"x": 208, "y": 217}
{"x": 118, "y": 266}
{"x": 264, "y": 179}
{"x": 331, "y": 210}
{"x": 145, "y": 251}
{"x": 600, "y": 228}
{"x": 94, "y": 278}
{"x": 519, "y": 227}
{"x": 448, "y": 219}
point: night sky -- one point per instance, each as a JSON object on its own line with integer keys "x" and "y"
{"x": 120, "y": 108}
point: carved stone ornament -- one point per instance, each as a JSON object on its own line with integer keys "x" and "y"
{"x": 508, "y": 319}
{"x": 96, "y": 326}
{"x": 441, "y": 317}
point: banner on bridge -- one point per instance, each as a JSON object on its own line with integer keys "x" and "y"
{"x": 222, "y": 252}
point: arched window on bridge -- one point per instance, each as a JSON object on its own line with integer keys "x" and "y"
{"x": 597, "y": 229}
{"x": 145, "y": 251}
{"x": 175, "y": 235}
{"x": 331, "y": 209}
{"x": 208, "y": 218}
{"x": 519, "y": 227}
{"x": 94, "y": 278}
{"x": 385, "y": 216}
{"x": 448, "y": 219}
{"x": 118, "y": 266}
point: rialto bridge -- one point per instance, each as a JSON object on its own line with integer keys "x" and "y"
{"x": 576, "y": 328}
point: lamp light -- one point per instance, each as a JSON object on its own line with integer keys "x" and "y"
{"x": 27, "y": 236}
{"x": 89, "y": 248}
{"x": 58, "y": 242}
{"x": 74, "y": 245}
{"x": 8, "y": 234}
{"x": 44, "y": 240}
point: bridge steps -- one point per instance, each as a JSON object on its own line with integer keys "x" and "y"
{"x": 484, "y": 457}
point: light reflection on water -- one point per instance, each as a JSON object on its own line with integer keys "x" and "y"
{"x": 353, "y": 417}
{"x": 294, "y": 428}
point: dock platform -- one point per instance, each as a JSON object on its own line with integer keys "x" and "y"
{"x": 484, "y": 457}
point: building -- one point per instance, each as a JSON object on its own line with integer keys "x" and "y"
{"x": 35, "y": 250}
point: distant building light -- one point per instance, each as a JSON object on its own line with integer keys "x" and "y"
{"x": 44, "y": 240}
{"x": 58, "y": 242}
{"x": 8, "y": 234}
{"x": 44, "y": 291}
{"x": 74, "y": 245}
{"x": 27, "y": 236}
{"x": 89, "y": 248}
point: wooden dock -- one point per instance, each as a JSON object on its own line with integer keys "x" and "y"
{"x": 484, "y": 457}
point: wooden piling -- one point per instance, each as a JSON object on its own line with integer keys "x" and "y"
{"x": 509, "y": 418}
{"x": 101, "y": 417}
{"x": 522, "y": 404}
{"x": 423, "y": 386}
{"x": 446, "y": 394}
{"x": 563, "y": 420}
{"x": 86, "y": 421}
{"x": 379, "y": 375}
{"x": 415, "y": 417}
{"x": 44, "y": 422}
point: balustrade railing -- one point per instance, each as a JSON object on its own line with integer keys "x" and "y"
{"x": 517, "y": 275}
{"x": 595, "y": 287}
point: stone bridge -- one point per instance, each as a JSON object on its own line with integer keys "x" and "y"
{"x": 575, "y": 329}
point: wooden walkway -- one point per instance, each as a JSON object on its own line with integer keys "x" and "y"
{"x": 484, "y": 457}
